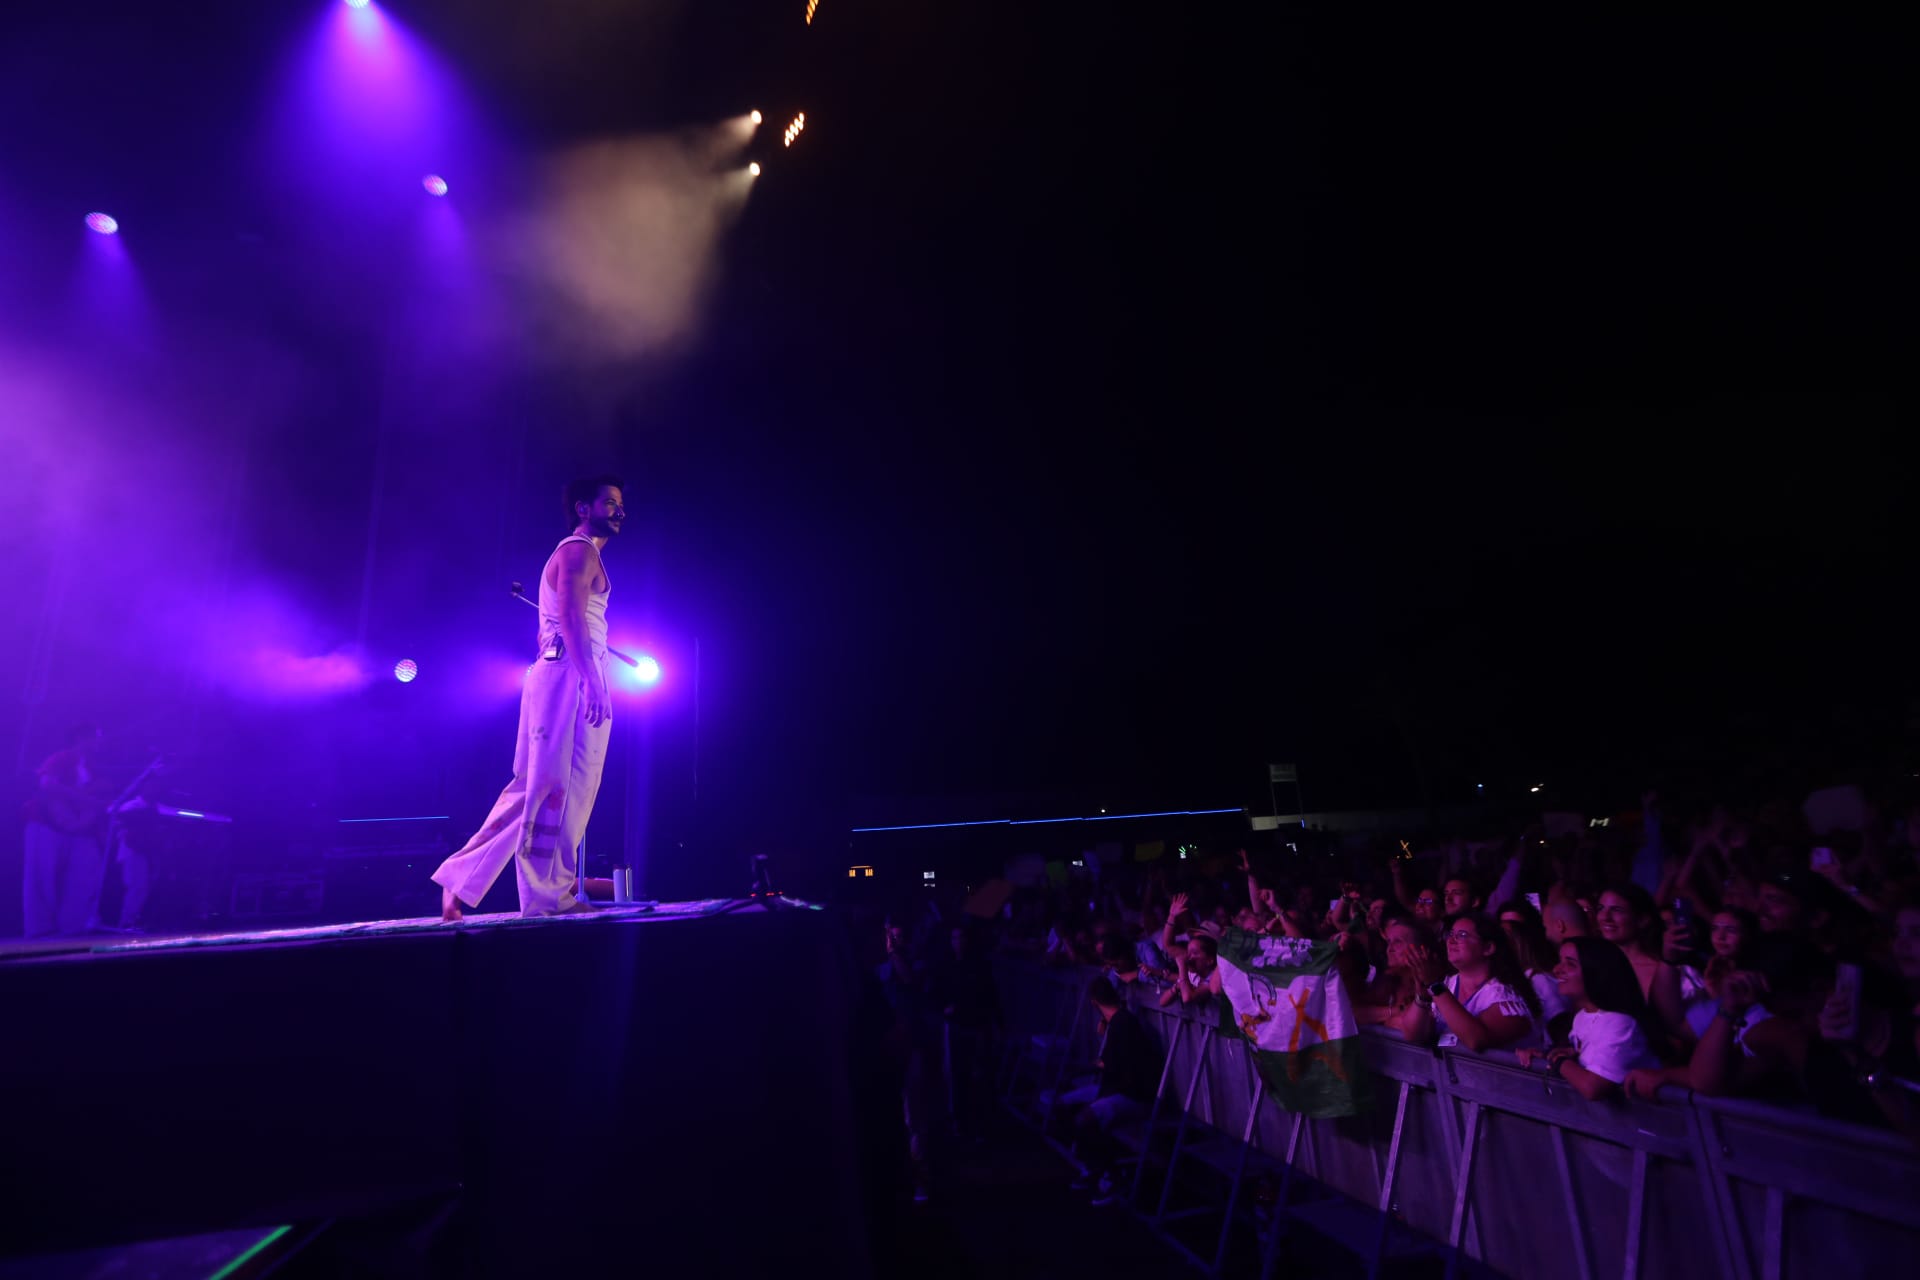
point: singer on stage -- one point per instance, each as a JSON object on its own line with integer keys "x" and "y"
{"x": 565, "y": 719}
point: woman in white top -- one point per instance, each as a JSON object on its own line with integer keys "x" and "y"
{"x": 1613, "y": 1030}
{"x": 1487, "y": 1003}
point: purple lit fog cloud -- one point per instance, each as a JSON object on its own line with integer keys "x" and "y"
{"x": 117, "y": 509}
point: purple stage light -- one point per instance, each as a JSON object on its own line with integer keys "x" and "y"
{"x": 358, "y": 4}
{"x": 406, "y": 669}
{"x": 102, "y": 223}
{"x": 648, "y": 672}
{"x": 435, "y": 184}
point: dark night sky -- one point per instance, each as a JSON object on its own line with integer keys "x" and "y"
{"x": 1516, "y": 398}
{"x": 1104, "y": 400}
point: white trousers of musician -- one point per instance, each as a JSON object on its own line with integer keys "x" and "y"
{"x": 136, "y": 880}
{"x": 60, "y": 891}
{"x": 539, "y": 820}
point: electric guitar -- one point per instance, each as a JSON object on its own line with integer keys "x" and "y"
{"x": 74, "y": 811}
{"x": 82, "y": 810}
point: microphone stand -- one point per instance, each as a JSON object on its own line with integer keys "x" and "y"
{"x": 113, "y": 833}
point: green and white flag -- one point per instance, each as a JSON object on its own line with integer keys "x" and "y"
{"x": 1289, "y": 1004}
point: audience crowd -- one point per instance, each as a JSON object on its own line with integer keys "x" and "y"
{"x": 1730, "y": 953}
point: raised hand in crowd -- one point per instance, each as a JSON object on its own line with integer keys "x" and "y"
{"x": 1677, "y": 944}
{"x": 1427, "y": 966}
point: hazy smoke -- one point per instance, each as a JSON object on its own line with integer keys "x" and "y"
{"x": 617, "y": 254}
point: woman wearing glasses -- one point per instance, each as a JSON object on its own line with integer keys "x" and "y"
{"x": 1487, "y": 1002}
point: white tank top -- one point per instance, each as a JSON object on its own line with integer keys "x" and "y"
{"x": 596, "y": 604}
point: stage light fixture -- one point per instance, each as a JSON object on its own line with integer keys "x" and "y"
{"x": 435, "y": 184}
{"x": 102, "y": 223}
{"x": 755, "y": 116}
{"x": 405, "y": 670}
{"x": 753, "y": 169}
{"x": 794, "y": 128}
{"x": 811, "y": 6}
{"x": 648, "y": 672}
{"x": 358, "y": 4}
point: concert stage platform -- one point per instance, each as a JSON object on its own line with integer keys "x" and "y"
{"x": 625, "y": 1091}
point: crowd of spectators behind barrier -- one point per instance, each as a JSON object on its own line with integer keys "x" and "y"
{"x": 1728, "y": 952}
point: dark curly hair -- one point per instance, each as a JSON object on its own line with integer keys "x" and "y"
{"x": 586, "y": 489}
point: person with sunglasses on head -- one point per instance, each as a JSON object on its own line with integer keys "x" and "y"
{"x": 1487, "y": 1002}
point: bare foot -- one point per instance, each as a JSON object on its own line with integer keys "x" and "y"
{"x": 450, "y": 912}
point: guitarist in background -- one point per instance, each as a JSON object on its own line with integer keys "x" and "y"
{"x": 64, "y": 856}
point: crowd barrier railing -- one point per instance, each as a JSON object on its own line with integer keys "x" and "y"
{"x": 1474, "y": 1157}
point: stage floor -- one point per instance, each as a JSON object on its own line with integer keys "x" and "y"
{"x": 551, "y": 1090}
{"x": 108, "y": 944}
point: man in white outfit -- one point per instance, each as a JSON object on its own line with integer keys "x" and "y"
{"x": 565, "y": 719}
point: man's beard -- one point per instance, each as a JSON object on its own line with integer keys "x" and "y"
{"x": 599, "y": 528}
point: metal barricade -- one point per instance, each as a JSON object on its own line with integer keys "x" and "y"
{"x": 1471, "y": 1155}
{"x": 1802, "y": 1195}
{"x": 1049, "y": 1028}
{"x": 1567, "y": 1185}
